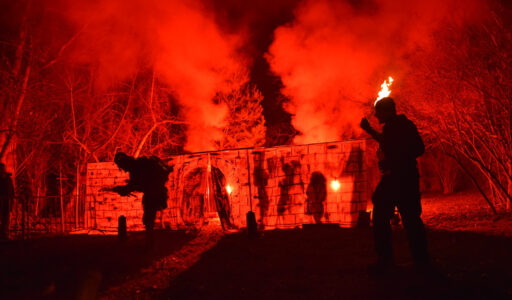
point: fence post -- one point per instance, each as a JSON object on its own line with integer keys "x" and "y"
{"x": 61, "y": 200}
{"x": 77, "y": 194}
{"x": 23, "y": 216}
{"x": 252, "y": 225}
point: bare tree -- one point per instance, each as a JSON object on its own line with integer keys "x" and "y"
{"x": 246, "y": 124}
{"x": 460, "y": 91}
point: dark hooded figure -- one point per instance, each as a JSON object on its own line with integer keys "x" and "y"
{"x": 400, "y": 145}
{"x": 149, "y": 176}
{"x": 6, "y": 198}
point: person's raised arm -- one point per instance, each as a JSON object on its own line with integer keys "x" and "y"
{"x": 365, "y": 125}
{"x": 122, "y": 190}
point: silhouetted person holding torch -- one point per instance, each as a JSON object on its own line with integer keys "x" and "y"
{"x": 400, "y": 145}
{"x": 149, "y": 176}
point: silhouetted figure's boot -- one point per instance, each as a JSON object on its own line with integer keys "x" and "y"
{"x": 121, "y": 228}
{"x": 252, "y": 227}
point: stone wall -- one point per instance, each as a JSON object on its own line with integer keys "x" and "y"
{"x": 285, "y": 186}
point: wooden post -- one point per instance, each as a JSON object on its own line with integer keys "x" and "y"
{"x": 252, "y": 226}
{"x": 249, "y": 178}
{"x": 121, "y": 228}
{"x": 61, "y": 199}
{"x": 37, "y": 200}
{"x": 77, "y": 198}
{"x": 23, "y": 217}
{"x": 208, "y": 196}
{"x": 509, "y": 185}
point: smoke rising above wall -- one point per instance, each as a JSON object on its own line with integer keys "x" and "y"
{"x": 179, "y": 39}
{"x": 333, "y": 57}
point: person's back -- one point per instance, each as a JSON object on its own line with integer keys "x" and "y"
{"x": 142, "y": 175}
{"x": 401, "y": 144}
{"x": 148, "y": 173}
{"x": 150, "y": 178}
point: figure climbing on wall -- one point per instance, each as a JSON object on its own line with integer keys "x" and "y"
{"x": 149, "y": 176}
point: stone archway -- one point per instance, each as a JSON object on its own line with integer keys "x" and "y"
{"x": 193, "y": 200}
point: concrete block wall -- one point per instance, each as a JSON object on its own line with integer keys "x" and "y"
{"x": 104, "y": 208}
{"x": 285, "y": 186}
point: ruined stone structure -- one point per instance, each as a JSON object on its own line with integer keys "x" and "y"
{"x": 285, "y": 186}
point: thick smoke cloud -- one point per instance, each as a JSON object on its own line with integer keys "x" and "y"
{"x": 333, "y": 57}
{"x": 179, "y": 39}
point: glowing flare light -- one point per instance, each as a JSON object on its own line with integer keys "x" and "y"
{"x": 384, "y": 91}
{"x": 335, "y": 185}
{"x": 229, "y": 189}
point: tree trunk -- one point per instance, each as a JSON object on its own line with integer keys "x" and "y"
{"x": 509, "y": 186}
{"x": 14, "y": 123}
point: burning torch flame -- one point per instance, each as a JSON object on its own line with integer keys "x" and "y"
{"x": 229, "y": 189}
{"x": 384, "y": 91}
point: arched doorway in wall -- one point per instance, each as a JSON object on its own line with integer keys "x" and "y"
{"x": 193, "y": 200}
{"x": 205, "y": 198}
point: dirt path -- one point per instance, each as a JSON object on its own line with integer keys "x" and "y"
{"x": 158, "y": 277}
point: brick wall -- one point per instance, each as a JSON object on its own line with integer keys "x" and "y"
{"x": 285, "y": 186}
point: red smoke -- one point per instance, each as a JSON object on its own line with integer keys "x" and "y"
{"x": 179, "y": 39}
{"x": 333, "y": 57}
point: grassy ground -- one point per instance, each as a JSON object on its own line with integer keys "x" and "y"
{"x": 465, "y": 211}
{"x": 470, "y": 249}
{"x": 59, "y": 267}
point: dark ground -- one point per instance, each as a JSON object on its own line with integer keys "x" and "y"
{"x": 58, "y": 267}
{"x": 331, "y": 264}
{"x": 472, "y": 262}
